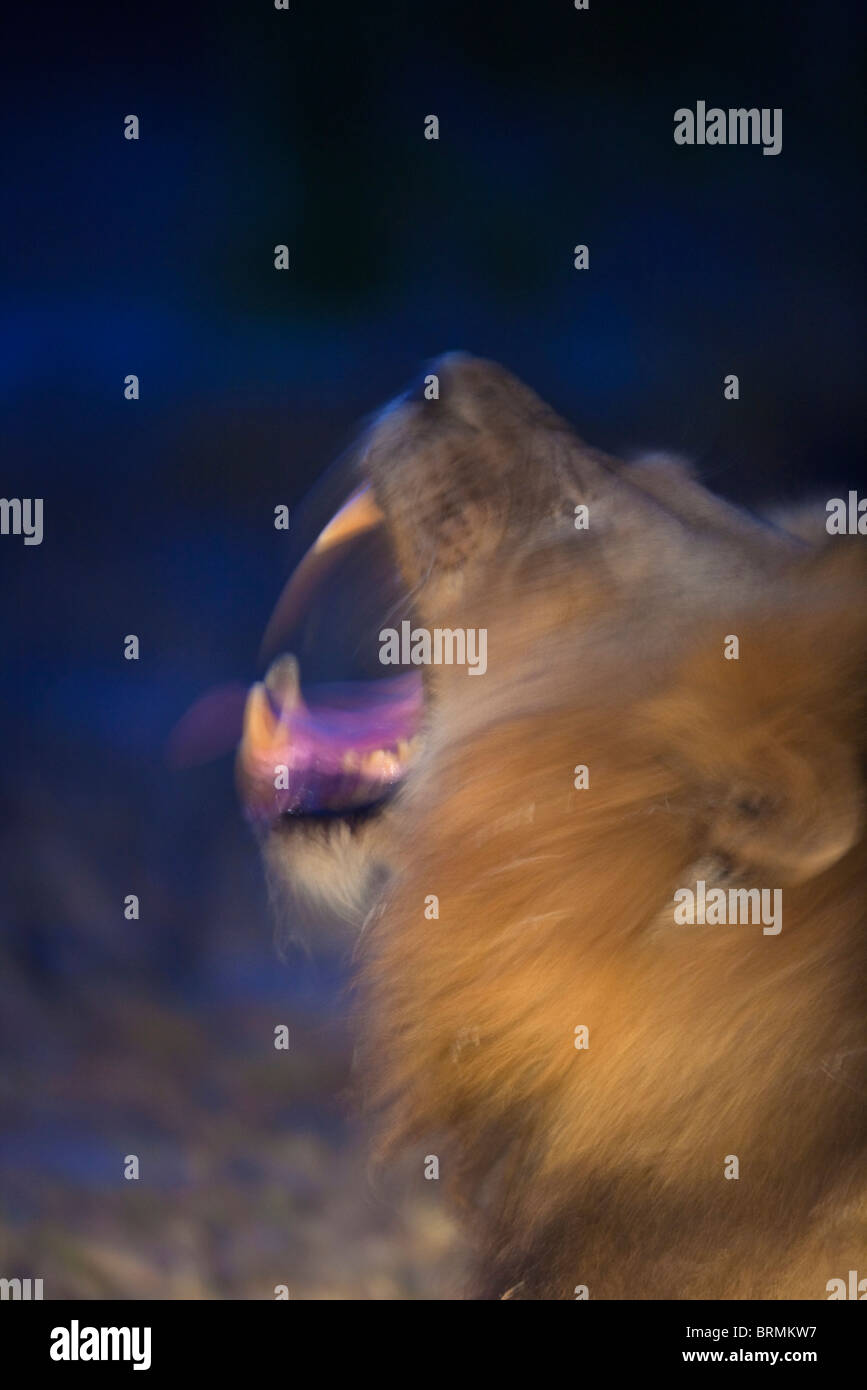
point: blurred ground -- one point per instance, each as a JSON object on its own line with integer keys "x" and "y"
{"x": 251, "y": 1175}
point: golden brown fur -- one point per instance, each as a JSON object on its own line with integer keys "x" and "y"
{"x": 604, "y": 1166}
{"x": 704, "y": 1041}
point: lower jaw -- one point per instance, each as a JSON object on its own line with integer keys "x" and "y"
{"x": 338, "y": 753}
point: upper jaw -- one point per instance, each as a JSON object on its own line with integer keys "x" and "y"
{"x": 333, "y": 749}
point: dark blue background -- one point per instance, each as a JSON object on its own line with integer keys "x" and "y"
{"x": 156, "y": 257}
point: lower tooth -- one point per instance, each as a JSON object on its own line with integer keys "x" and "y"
{"x": 381, "y": 764}
{"x": 283, "y": 682}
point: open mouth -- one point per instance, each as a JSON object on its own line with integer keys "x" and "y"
{"x": 337, "y": 748}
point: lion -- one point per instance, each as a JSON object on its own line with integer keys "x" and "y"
{"x": 621, "y": 1104}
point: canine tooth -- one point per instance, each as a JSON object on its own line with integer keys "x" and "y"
{"x": 282, "y": 681}
{"x": 262, "y": 729}
{"x": 358, "y": 514}
{"x": 260, "y": 722}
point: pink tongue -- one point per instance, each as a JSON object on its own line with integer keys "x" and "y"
{"x": 322, "y": 743}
